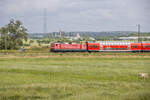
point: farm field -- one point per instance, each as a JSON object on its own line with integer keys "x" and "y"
{"x": 110, "y": 77}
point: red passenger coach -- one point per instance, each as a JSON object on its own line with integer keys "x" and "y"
{"x": 61, "y": 47}
{"x": 136, "y": 46}
{"x": 115, "y": 46}
{"x": 145, "y": 46}
{"x": 109, "y": 46}
{"x": 140, "y": 46}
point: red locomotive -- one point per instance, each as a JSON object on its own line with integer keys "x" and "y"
{"x": 101, "y": 46}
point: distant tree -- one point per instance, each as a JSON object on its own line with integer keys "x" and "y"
{"x": 134, "y": 34}
{"x": 87, "y": 38}
{"x": 3, "y": 37}
{"x": 31, "y": 41}
{"x": 39, "y": 42}
{"x": 14, "y": 33}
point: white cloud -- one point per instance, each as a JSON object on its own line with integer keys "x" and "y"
{"x": 76, "y": 14}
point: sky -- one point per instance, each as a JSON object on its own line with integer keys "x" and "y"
{"x": 77, "y": 15}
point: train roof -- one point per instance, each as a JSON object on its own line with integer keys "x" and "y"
{"x": 117, "y": 42}
{"x": 120, "y": 42}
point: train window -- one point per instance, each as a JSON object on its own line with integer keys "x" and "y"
{"x": 56, "y": 44}
{"x": 91, "y": 46}
{"x": 135, "y": 46}
{"x": 94, "y": 46}
{"x": 148, "y": 46}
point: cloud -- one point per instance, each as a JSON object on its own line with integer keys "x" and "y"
{"x": 23, "y": 6}
{"x": 76, "y": 15}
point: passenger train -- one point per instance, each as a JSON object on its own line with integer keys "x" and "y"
{"x": 112, "y": 46}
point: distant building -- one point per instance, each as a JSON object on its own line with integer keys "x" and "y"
{"x": 91, "y": 38}
{"x": 78, "y": 35}
{"x": 61, "y": 33}
{"x": 71, "y": 37}
{"x": 36, "y": 35}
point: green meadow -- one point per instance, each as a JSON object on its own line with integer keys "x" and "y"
{"x": 74, "y": 78}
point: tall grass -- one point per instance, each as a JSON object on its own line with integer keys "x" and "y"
{"x": 74, "y": 78}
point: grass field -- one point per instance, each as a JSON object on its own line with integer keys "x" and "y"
{"x": 74, "y": 78}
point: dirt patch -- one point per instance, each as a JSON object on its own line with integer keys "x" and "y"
{"x": 78, "y": 56}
